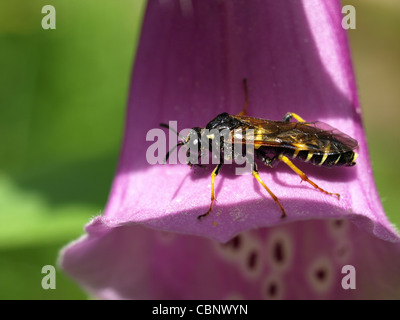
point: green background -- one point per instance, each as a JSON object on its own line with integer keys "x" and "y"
{"x": 63, "y": 94}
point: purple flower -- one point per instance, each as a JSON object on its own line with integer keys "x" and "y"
{"x": 189, "y": 67}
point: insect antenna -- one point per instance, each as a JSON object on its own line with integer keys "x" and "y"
{"x": 180, "y": 143}
{"x": 164, "y": 125}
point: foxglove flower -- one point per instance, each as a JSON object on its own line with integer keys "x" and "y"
{"x": 189, "y": 67}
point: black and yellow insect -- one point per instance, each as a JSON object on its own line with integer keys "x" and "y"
{"x": 278, "y": 141}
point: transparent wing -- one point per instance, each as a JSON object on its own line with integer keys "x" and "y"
{"x": 316, "y": 136}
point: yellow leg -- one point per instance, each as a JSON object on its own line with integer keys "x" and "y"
{"x": 257, "y": 176}
{"x": 246, "y": 98}
{"x": 303, "y": 176}
{"x": 290, "y": 115}
{"x": 213, "y": 175}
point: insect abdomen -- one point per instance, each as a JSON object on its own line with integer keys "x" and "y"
{"x": 323, "y": 159}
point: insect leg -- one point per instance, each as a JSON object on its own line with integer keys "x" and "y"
{"x": 257, "y": 176}
{"x": 213, "y": 175}
{"x": 303, "y": 176}
{"x": 268, "y": 161}
{"x": 291, "y": 115}
{"x": 246, "y": 98}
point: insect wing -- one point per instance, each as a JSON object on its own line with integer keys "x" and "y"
{"x": 316, "y": 136}
{"x": 328, "y": 133}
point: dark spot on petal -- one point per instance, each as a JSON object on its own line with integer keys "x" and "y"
{"x": 272, "y": 289}
{"x": 321, "y": 274}
{"x": 278, "y": 253}
{"x": 234, "y": 243}
{"x": 252, "y": 260}
{"x": 338, "y": 223}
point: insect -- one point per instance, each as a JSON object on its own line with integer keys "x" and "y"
{"x": 276, "y": 141}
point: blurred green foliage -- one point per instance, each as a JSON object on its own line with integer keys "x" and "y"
{"x": 63, "y": 94}
{"x": 376, "y": 56}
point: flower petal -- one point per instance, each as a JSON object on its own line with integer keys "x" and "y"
{"x": 189, "y": 68}
{"x": 302, "y": 260}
